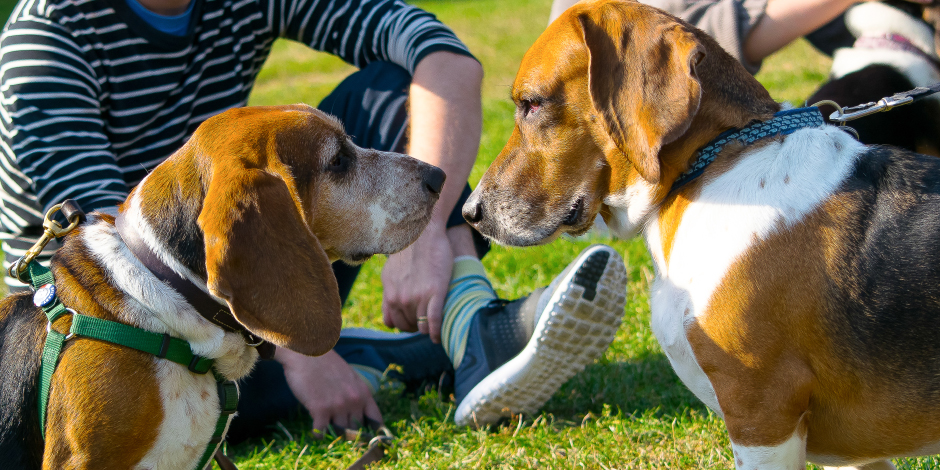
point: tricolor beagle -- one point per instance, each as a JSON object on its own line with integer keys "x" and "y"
{"x": 251, "y": 211}
{"x": 797, "y": 288}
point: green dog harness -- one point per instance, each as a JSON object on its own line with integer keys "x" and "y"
{"x": 162, "y": 346}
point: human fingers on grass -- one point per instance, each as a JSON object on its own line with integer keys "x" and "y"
{"x": 330, "y": 390}
{"x": 345, "y": 411}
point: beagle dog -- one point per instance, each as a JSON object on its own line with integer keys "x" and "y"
{"x": 797, "y": 287}
{"x": 251, "y": 211}
{"x": 895, "y": 50}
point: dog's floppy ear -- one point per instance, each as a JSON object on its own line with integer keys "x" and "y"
{"x": 643, "y": 86}
{"x": 264, "y": 261}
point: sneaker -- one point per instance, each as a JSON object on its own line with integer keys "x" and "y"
{"x": 421, "y": 361}
{"x": 520, "y": 353}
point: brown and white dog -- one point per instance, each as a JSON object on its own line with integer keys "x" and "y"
{"x": 797, "y": 289}
{"x": 253, "y": 209}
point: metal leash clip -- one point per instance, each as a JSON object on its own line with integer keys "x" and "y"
{"x": 885, "y": 104}
{"x": 51, "y": 229}
{"x": 867, "y": 109}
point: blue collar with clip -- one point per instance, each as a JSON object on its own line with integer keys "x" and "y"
{"x": 783, "y": 123}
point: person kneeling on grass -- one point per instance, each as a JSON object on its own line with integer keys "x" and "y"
{"x": 97, "y": 93}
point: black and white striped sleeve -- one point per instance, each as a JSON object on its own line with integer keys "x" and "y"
{"x": 51, "y": 117}
{"x": 363, "y": 31}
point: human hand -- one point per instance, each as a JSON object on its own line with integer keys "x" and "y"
{"x": 330, "y": 390}
{"x": 415, "y": 283}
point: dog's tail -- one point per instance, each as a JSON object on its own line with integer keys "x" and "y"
{"x": 22, "y": 335}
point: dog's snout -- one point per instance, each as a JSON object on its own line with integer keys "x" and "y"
{"x": 434, "y": 179}
{"x": 473, "y": 209}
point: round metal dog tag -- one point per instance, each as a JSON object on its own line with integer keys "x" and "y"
{"x": 44, "y": 296}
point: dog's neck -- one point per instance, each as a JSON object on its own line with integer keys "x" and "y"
{"x": 135, "y": 297}
{"x": 165, "y": 208}
{"x": 731, "y": 98}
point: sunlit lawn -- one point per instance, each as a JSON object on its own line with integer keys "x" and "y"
{"x": 628, "y": 410}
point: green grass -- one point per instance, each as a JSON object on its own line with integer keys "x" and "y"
{"x": 628, "y": 410}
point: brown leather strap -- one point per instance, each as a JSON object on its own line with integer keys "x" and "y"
{"x": 202, "y": 302}
{"x": 223, "y": 461}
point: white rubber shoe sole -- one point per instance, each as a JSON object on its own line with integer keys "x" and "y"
{"x": 575, "y": 328}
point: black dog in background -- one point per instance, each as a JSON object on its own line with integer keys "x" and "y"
{"x": 886, "y": 48}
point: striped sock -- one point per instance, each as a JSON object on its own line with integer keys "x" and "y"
{"x": 372, "y": 377}
{"x": 469, "y": 291}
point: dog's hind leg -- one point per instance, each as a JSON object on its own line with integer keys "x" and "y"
{"x": 763, "y": 390}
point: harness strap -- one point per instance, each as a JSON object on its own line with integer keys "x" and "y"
{"x": 50, "y": 358}
{"x": 40, "y": 276}
{"x": 228, "y": 405}
{"x": 163, "y": 346}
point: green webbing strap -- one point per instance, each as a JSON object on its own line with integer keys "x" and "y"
{"x": 160, "y": 345}
{"x": 50, "y": 357}
{"x": 39, "y": 276}
{"x": 228, "y": 404}
{"x": 163, "y": 346}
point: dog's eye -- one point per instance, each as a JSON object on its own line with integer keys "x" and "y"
{"x": 529, "y": 107}
{"x": 338, "y": 164}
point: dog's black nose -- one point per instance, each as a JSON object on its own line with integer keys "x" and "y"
{"x": 473, "y": 210}
{"x": 434, "y": 179}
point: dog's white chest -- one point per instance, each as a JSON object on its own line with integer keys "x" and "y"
{"x": 767, "y": 190}
{"x": 672, "y": 310}
{"x": 190, "y": 412}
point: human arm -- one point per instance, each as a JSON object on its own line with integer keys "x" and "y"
{"x": 329, "y": 389}
{"x": 446, "y": 122}
{"x": 786, "y": 20}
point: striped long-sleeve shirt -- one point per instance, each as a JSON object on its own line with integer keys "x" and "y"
{"x": 94, "y": 97}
